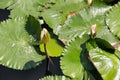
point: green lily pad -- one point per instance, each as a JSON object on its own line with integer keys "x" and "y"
{"x": 105, "y": 61}
{"x": 16, "y": 45}
{"x": 22, "y": 7}
{"x": 6, "y": 3}
{"x": 113, "y": 20}
{"x": 107, "y": 64}
{"x": 55, "y": 78}
{"x": 103, "y": 44}
{"x": 57, "y": 14}
{"x": 70, "y": 62}
{"x": 53, "y": 18}
{"x": 80, "y": 23}
{"x": 96, "y": 62}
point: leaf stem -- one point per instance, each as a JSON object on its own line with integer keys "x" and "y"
{"x": 48, "y": 59}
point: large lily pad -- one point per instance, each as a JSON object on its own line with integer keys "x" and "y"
{"x": 17, "y": 50}
{"x": 70, "y": 62}
{"x": 6, "y": 3}
{"x": 113, "y": 20}
{"x": 80, "y": 23}
{"x": 55, "y": 78}
{"x": 92, "y": 59}
{"x": 104, "y": 59}
{"x": 22, "y": 7}
{"x": 56, "y": 15}
{"x": 107, "y": 64}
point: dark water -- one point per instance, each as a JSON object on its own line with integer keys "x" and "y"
{"x": 32, "y": 74}
{"x": 4, "y": 14}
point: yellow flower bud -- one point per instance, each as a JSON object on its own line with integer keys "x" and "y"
{"x": 89, "y": 2}
{"x": 45, "y": 36}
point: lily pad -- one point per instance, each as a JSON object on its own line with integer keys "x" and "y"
{"x": 70, "y": 62}
{"x": 16, "y": 45}
{"x": 56, "y": 15}
{"x": 105, "y": 61}
{"x": 96, "y": 62}
{"x": 55, "y": 78}
{"x": 79, "y": 24}
{"x": 113, "y": 21}
{"x": 107, "y": 64}
{"x": 6, "y": 3}
{"x": 22, "y": 8}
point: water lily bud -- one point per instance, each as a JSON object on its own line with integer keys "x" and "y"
{"x": 93, "y": 30}
{"x": 89, "y": 2}
{"x": 45, "y": 36}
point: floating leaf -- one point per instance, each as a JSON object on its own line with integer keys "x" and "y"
{"x": 113, "y": 21}
{"x": 53, "y": 18}
{"x": 43, "y": 2}
{"x": 88, "y": 64}
{"x": 103, "y": 44}
{"x": 55, "y": 78}
{"x": 80, "y": 23}
{"x": 33, "y": 28}
{"x": 107, "y": 64}
{"x": 56, "y": 15}
{"x": 22, "y": 7}
{"x": 97, "y": 63}
{"x": 104, "y": 33}
{"x": 6, "y": 3}
{"x": 16, "y": 45}
{"x": 105, "y": 61}
{"x": 70, "y": 62}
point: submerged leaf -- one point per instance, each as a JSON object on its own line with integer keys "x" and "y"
{"x": 16, "y": 45}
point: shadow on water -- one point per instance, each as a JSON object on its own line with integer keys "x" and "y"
{"x": 31, "y": 64}
{"x": 4, "y": 14}
{"x": 33, "y": 27}
{"x": 55, "y": 67}
{"x": 88, "y": 64}
{"x": 32, "y": 74}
